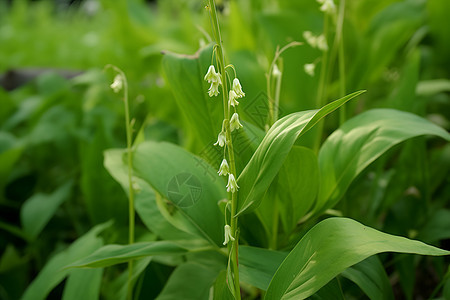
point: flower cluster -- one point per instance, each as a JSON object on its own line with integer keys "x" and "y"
{"x": 234, "y": 93}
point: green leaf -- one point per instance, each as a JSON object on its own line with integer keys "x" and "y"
{"x": 298, "y": 183}
{"x": 10, "y": 151}
{"x": 118, "y": 288}
{"x": 202, "y": 114}
{"x": 54, "y": 270}
{"x": 145, "y": 201}
{"x": 359, "y": 142}
{"x": 95, "y": 180}
{"x": 258, "y": 265}
{"x": 437, "y": 227}
{"x": 188, "y": 182}
{"x": 332, "y": 290}
{"x": 329, "y": 248}
{"x": 83, "y": 284}
{"x": 221, "y": 291}
{"x": 115, "y": 254}
{"x": 273, "y": 150}
{"x": 37, "y": 211}
{"x": 371, "y": 277}
{"x": 190, "y": 281}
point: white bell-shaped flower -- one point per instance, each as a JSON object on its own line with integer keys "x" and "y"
{"x": 322, "y": 43}
{"x": 234, "y": 122}
{"x": 224, "y": 169}
{"x": 117, "y": 84}
{"x": 237, "y": 88}
{"x": 232, "y": 98}
{"x": 310, "y": 69}
{"x": 232, "y": 184}
{"x": 221, "y": 139}
{"x": 228, "y": 236}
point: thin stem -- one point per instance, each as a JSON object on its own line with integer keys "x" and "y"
{"x": 273, "y": 109}
{"x": 340, "y": 41}
{"x": 277, "y": 97}
{"x": 226, "y": 107}
{"x": 321, "y": 92}
{"x": 131, "y": 213}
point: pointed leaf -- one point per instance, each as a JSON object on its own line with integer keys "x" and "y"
{"x": 37, "y": 211}
{"x": 116, "y": 254}
{"x": 359, "y": 142}
{"x": 271, "y": 153}
{"x": 54, "y": 270}
{"x": 329, "y": 248}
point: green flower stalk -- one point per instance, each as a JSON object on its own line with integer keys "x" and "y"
{"x": 228, "y": 167}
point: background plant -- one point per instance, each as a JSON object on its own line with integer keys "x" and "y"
{"x": 54, "y": 132}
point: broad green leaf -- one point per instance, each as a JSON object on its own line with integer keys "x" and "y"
{"x": 190, "y": 281}
{"x": 203, "y": 114}
{"x": 188, "y": 182}
{"x": 329, "y": 248}
{"x": 54, "y": 270}
{"x": 258, "y": 265}
{"x": 83, "y": 284}
{"x": 37, "y": 211}
{"x": 359, "y": 142}
{"x": 291, "y": 194}
{"x": 298, "y": 183}
{"x": 145, "y": 201}
{"x": 273, "y": 150}
{"x": 115, "y": 254}
{"x": 371, "y": 277}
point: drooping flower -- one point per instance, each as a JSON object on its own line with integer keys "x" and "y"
{"x": 234, "y": 122}
{"x": 237, "y": 88}
{"x": 224, "y": 169}
{"x": 213, "y": 77}
{"x": 328, "y": 6}
{"x": 310, "y": 38}
{"x": 214, "y": 89}
{"x": 228, "y": 236}
{"x": 309, "y": 69}
{"x": 232, "y": 98}
{"x": 322, "y": 43}
{"x": 221, "y": 139}
{"x": 117, "y": 84}
{"x": 276, "y": 72}
{"x": 232, "y": 185}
